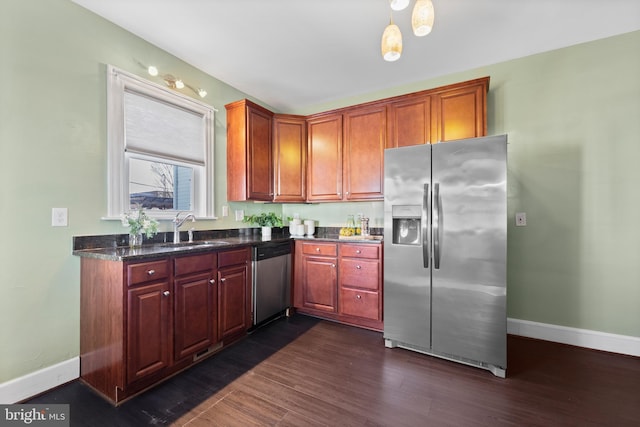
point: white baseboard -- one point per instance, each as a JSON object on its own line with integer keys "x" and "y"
{"x": 622, "y": 344}
{"x": 40, "y": 381}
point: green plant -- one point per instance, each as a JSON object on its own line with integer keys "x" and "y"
{"x": 265, "y": 219}
{"x": 139, "y": 223}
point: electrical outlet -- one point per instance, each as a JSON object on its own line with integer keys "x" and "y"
{"x": 59, "y": 217}
{"x": 521, "y": 219}
{"x": 225, "y": 210}
{"x": 239, "y": 215}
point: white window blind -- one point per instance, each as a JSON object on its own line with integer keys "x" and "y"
{"x": 158, "y": 129}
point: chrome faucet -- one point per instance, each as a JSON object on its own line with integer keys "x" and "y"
{"x": 177, "y": 223}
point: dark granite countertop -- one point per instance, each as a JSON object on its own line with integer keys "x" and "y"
{"x": 116, "y": 248}
{"x": 160, "y": 250}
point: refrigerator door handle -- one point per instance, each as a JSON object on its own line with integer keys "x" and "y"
{"x": 425, "y": 224}
{"x": 436, "y": 225}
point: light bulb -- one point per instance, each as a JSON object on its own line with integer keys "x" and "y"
{"x": 152, "y": 70}
{"x": 202, "y": 93}
{"x": 179, "y": 84}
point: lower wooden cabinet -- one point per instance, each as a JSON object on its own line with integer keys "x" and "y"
{"x": 148, "y": 330}
{"x": 339, "y": 281}
{"x": 234, "y": 293}
{"x": 144, "y": 321}
{"x": 195, "y": 304}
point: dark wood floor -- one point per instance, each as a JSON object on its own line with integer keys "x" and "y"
{"x": 305, "y": 372}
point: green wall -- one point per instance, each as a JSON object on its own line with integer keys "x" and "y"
{"x": 571, "y": 115}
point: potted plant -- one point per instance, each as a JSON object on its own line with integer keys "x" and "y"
{"x": 266, "y": 220}
{"x": 139, "y": 224}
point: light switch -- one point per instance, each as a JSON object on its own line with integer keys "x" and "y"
{"x": 59, "y": 217}
{"x": 225, "y": 210}
{"x": 239, "y": 215}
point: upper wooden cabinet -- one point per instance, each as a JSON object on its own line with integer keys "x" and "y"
{"x": 460, "y": 111}
{"x": 324, "y": 150}
{"x": 338, "y": 155}
{"x": 249, "y": 152}
{"x": 345, "y": 155}
{"x": 409, "y": 121}
{"x": 443, "y": 114}
{"x": 290, "y": 158}
{"x": 365, "y": 138}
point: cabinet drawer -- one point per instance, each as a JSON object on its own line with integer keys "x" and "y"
{"x": 328, "y": 249}
{"x": 240, "y": 256}
{"x": 359, "y": 303}
{"x": 147, "y": 271}
{"x": 194, "y": 264}
{"x": 360, "y": 251}
{"x": 359, "y": 273}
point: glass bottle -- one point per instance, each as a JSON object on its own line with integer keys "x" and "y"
{"x": 351, "y": 224}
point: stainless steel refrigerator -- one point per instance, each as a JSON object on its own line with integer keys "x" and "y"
{"x": 445, "y": 257}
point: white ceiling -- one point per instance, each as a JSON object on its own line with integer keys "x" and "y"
{"x": 292, "y": 54}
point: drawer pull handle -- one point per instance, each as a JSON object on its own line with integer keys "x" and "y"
{"x": 317, "y": 249}
{"x": 358, "y": 297}
{"x": 166, "y": 293}
{"x": 151, "y": 272}
{"x": 358, "y": 251}
{"x": 212, "y": 281}
{"x": 358, "y": 267}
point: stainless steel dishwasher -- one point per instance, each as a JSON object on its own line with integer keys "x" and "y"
{"x": 271, "y": 268}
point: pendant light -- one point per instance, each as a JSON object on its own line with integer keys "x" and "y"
{"x": 422, "y": 17}
{"x": 399, "y": 4}
{"x": 391, "y": 45}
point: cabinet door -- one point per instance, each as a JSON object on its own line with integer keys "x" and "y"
{"x": 249, "y": 152}
{"x": 409, "y": 122}
{"x": 319, "y": 283}
{"x": 260, "y": 171}
{"x": 232, "y": 301}
{"x": 460, "y": 113}
{"x": 324, "y": 149}
{"x": 290, "y": 158}
{"x": 148, "y": 328}
{"x": 194, "y": 314}
{"x": 365, "y": 131}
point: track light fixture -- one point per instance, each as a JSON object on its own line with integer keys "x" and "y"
{"x": 174, "y": 82}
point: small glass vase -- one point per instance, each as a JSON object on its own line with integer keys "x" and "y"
{"x": 135, "y": 240}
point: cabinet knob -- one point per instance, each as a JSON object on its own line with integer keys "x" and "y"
{"x": 358, "y": 251}
{"x": 333, "y": 265}
{"x": 151, "y": 272}
{"x": 358, "y": 297}
{"x": 222, "y": 279}
{"x": 317, "y": 249}
{"x": 166, "y": 293}
{"x": 212, "y": 281}
{"x": 358, "y": 267}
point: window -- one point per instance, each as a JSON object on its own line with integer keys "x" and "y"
{"x": 160, "y": 149}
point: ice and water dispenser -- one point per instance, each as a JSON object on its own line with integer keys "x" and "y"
{"x": 406, "y": 224}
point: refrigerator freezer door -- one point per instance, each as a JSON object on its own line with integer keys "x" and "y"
{"x": 407, "y": 290}
{"x": 469, "y": 278}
